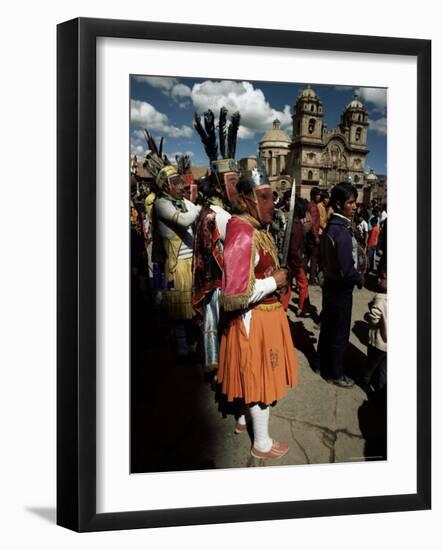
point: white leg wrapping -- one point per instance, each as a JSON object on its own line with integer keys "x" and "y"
{"x": 242, "y": 420}
{"x": 260, "y": 421}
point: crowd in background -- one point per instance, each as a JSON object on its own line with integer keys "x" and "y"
{"x": 213, "y": 255}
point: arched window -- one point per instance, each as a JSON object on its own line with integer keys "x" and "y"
{"x": 356, "y": 178}
{"x": 358, "y": 133}
{"x": 310, "y": 175}
{"x": 311, "y": 125}
{"x": 312, "y": 108}
{"x": 359, "y": 117}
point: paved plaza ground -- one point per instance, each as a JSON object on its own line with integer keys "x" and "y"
{"x": 177, "y": 424}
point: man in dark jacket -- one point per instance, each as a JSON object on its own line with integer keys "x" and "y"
{"x": 339, "y": 257}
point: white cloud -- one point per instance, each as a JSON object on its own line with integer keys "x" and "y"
{"x": 145, "y": 115}
{"x": 138, "y": 150}
{"x": 379, "y": 126}
{"x": 257, "y": 115}
{"x": 165, "y": 83}
{"x": 170, "y": 87}
{"x": 180, "y": 91}
{"x": 139, "y": 134}
{"x": 375, "y": 96}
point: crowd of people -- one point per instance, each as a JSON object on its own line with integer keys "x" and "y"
{"x": 221, "y": 256}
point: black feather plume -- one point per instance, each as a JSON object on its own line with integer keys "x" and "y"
{"x": 204, "y": 137}
{"x": 183, "y": 164}
{"x": 222, "y": 131}
{"x": 151, "y": 143}
{"x": 209, "y": 125}
{"x": 200, "y": 130}
{"x": 232, "y": 134}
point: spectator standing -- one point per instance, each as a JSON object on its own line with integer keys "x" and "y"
{"x": 296, "y": 257}
{"x": 375, "y": 376}
{"x": 324, "y": 211}
{"x": 340, "y": 277}
{"x": 312, "y": 247}
{"x": 372, "y": 242}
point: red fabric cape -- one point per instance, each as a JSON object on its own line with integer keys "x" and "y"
{"x": 238, "y": 256}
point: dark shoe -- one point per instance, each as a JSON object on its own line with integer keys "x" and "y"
{"x": 343, "y": 382}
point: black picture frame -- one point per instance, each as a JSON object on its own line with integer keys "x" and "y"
{"x": 76, "y": 274}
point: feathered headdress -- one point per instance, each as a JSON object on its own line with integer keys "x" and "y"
{"x": 158, "y": 164}
{"x": 227, "y": 137}
{"x": 184, "y": 167}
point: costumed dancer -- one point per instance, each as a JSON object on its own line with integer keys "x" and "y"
{"x": 257, "y": 355}
{"x": 210, "y": 231}
{"x": 174, "y": 216}
{"x": 184, "y": 167}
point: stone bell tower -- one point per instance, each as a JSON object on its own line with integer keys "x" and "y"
{"x": 307, "y": 117}
{"x": 354, "y": 124}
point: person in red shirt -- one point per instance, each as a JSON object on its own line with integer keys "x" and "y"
{"x": 372, "y": 242}
{"x": 296, "y": 257}
{"x": 312, "y": 248}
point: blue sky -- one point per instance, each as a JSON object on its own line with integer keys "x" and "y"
{"x": 165, "y": 106}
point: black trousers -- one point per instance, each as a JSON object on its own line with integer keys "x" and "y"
{"x": 312, "y": 250}
{"x": 335, "y": 328}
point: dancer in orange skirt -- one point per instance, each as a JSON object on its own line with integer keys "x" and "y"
{"x": 257, "y": 356}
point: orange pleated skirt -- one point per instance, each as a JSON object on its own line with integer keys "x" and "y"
{"x": 261, "y": 366}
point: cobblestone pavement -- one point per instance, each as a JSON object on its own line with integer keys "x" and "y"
{"x": 177, "y": 425}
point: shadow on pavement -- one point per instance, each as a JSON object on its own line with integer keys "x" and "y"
{"x": 170, "y": 428}
{"x": 371, "y": 282}
{"x": 360, "y": 330}
{"x": 354, "y": 363}
{"x": 372, "y": 415}
{"x": 304, "y": 341}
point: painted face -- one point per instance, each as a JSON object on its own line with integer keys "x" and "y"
{"x": 176, "y": 186}
{"x": 349, "y": 208}
{"x": 260, "y": 204}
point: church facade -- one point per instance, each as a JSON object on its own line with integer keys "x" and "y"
{"x": 314, "y": 155}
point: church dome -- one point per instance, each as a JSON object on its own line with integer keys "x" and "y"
{"x": 371, "y": 177}
{"x": 355, "y": 103}
{"x": 275, "y": 135}
{"x": 308, "y": 93}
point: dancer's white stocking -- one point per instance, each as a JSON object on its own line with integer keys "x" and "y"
{"x": 260, "y": 421}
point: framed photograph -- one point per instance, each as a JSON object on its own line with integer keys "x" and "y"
{"x": 151, "y": 429}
